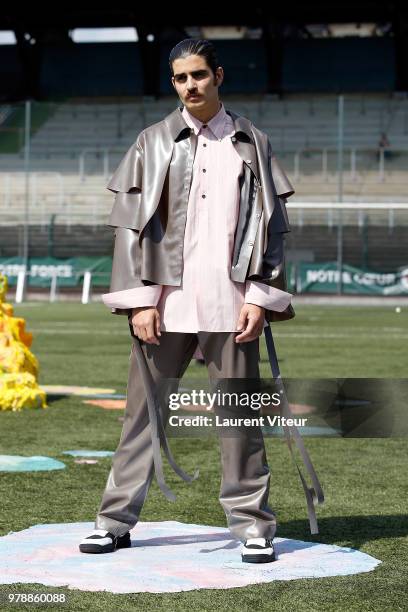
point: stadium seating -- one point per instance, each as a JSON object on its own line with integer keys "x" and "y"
{"x": 76, "y": 145}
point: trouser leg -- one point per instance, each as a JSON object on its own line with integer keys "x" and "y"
{"x": 245, "y": 473}
{"x": 132, "y": 464}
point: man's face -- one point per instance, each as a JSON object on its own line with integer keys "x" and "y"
{"x": 195, "y": 82}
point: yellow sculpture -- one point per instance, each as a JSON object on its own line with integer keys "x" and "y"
{"x": 18, "y": 365}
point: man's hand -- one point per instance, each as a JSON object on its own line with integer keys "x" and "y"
{"x": 250, "y": 322}
{"x": 146, "y": 324}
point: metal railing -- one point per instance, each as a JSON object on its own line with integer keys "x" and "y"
{"x": 353, "y": 156}
{"x": 376, "y": 152}
{"x": 384, "y": 211}
{"x": 97, "y": 151}
{"x": 22, "y": 281}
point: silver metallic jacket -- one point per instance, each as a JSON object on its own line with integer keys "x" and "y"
{"x": 152, "y": 185}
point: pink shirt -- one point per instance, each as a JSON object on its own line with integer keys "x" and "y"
{"x": 207, "y": 299}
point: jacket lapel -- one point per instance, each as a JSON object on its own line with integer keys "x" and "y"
{"x": 244, "y": 142}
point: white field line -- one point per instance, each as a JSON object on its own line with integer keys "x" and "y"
{"x": 299, "y": 328}
{"x": 74, "y": 332}
{"x": 395, "y": 335}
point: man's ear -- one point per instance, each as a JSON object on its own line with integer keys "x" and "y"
{"x": 219, "y": 77}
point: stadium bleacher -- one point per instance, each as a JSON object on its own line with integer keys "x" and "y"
{"x": 76, "y": 145}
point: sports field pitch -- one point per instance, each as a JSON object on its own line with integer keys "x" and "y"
{"x": 365, "y": 480}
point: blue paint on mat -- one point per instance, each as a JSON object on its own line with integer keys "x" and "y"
{"x": 19, "y": 463}
{"x": 165, "y": 556}
{"x": 104, "y": 396}
{"x": 108, "y": 396}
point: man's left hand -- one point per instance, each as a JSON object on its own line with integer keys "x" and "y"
{"x": 250, "y": 322}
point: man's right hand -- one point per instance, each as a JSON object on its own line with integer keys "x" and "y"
{"x": 146, "y": 324}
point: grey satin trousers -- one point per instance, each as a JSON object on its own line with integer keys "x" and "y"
{"x": 245, "y": 474}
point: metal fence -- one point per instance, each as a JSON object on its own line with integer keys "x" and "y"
{"x": 347, "y": 157}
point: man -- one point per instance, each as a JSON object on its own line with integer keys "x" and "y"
{"x": 198, "y": 264}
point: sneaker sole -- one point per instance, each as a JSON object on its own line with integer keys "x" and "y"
{"x": 94, "y": 548}
{"x": 258, "y": 558}
{"x": 106, "y": 548}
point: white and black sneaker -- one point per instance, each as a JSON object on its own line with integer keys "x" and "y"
{"x": 103, "y": 541}
{"x": 258, "y": 550}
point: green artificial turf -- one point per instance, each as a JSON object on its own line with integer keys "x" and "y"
{"x": 364, "y": 480}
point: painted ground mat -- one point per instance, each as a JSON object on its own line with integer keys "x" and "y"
{"x": 166, "y": 556}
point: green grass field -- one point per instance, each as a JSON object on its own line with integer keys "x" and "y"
{"x": 364, "y": 480}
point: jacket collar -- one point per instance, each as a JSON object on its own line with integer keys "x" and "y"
{"x": 179, "y": 128}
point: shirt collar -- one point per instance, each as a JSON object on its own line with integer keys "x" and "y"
{"x": 216, "y": 124}
{"x": 178, "y": 128}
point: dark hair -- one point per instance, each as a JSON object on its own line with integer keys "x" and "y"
{"x": 195, "y": 46}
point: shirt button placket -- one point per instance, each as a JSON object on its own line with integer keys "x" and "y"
{"x": 203, "y": 182}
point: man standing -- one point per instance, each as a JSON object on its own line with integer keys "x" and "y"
{"x": 199, "y": 218}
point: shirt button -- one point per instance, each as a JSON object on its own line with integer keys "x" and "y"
{"x": 250, "y": 243}
{"x": 203, "y": 196}
{"x": 249, "y": 161}
{"x": 204, "y": 126}
{"x": 204, "y": 145}
{"x": 258, "y": 215}
{"x": 204, "y": 170}
{"x": 233, "y": 139}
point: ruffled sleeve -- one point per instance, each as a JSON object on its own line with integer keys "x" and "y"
{"x": 279, "y": 221}
{"x": 128, "y": 175}
{"x": 126, "y": 183}
{"x": 273, "y": 264}
{"x": 283, "y": 186}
